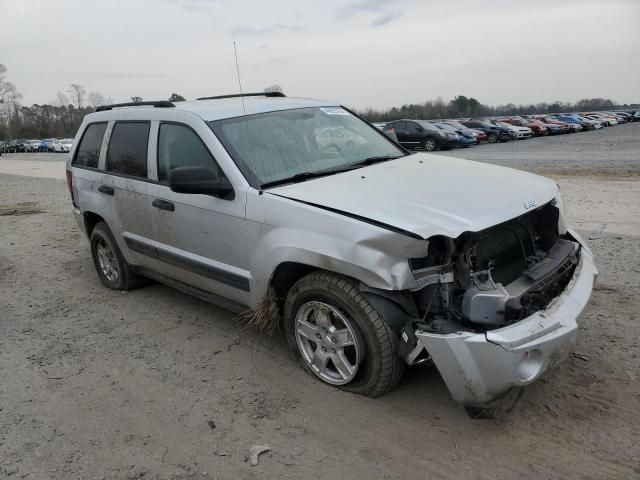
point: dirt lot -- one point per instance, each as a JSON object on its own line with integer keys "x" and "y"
{"x": 155, "y": 384}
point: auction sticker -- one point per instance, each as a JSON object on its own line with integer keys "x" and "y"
{"x": 334, "y": 110}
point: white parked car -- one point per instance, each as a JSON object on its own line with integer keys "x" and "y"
{"x": 63, "y": 146}
{"x": 372, "y": 258}
{"x": 517, "y": 132}
{"x": 32, "y": 145}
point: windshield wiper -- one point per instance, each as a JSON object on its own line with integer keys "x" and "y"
{"x": 372, "y": 160}
{"x": 302, "y": 176}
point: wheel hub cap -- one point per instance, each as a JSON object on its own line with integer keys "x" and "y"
{"x": 106, "y": 260}
{"x": 328, "y": 342}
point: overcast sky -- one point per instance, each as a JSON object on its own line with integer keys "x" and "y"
{"x": 377, "y": 53}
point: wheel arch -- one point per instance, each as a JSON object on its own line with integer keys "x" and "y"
{"x": 91, "y": 219}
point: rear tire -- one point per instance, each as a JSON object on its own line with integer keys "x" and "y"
{"x": 374, "y": 366}
{"x": 113, "y": 271}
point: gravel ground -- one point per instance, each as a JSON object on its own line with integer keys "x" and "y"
{"x": 155, "y": 384}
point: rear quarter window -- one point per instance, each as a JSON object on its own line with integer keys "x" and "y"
{"x": 127, "y": 153}
{"x": 88, "y": 151}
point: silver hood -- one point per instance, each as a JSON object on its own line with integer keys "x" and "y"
{"x": 428, "y": 194}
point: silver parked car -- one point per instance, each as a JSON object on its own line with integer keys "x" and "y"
{"x": 372, "y": 258}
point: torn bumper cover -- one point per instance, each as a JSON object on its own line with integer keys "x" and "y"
{"x": 478, "y": 367}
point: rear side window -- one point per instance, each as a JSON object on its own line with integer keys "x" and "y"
{"x": 88, "y": 151}
{"x": 127, "y": 151}
{"x": 179, "y": 146}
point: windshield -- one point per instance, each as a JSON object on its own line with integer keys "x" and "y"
{"x": 502, "y": 124}
{"x": 426, "y": 125}
{"x": 275, "y": 146}
{"x": 457, "y": 125}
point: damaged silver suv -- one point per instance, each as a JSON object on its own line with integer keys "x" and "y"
{"x": 371, "y": 257}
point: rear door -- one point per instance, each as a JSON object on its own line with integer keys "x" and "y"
{"x": 400, "y": 129}
{"x": 125, "y": 187}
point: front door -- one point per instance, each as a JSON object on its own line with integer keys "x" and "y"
{"x": 200, "y": 239}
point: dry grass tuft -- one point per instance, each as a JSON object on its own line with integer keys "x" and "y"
{"x": 265, "y": 317}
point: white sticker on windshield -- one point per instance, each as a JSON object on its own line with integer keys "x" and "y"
{"x": 334, "y": 110}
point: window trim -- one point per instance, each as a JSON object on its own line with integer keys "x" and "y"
{"x": 157, "y": 160}
{"x": 75, "y": 155}
{"x": 146, "y": 157}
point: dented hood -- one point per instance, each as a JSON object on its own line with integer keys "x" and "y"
{"x": 427, "y": 194}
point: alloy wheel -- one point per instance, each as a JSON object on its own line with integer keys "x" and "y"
{"x": 328, "y": 342}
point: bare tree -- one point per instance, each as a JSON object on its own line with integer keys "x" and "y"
{"x": 8, "y": 92}
{"x": 95, "y": 99}
{"x": 77, "y": 93}
{"x": 62, "y": 100}
{"x": 273, "y": 89}
{"x": 136, "y": 99}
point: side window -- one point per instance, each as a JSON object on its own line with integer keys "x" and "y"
{"x": 179, "y": 146}
{"x": 127, "y": 151}
{"x": 89, "y": 149}
{"x": 414, "y": 127}
{"x": 400, "y": 126}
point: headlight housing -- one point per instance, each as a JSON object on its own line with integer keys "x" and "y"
{"x": 562, "y": 217}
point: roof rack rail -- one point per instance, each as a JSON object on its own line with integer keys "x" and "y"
{"x": 157, "y": 103}
{"x": 237, "y": 95}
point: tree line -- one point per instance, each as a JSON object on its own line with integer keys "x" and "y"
{"x": 59, "y": 118}
{"x": 62, "y": 116}
{"x": 462, "y": 106}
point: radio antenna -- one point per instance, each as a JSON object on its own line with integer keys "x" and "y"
{"x": 244, "y": 110}
{"x": 235, "y": 52}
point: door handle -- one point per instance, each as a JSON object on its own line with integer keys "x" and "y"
{"x": 106, "y": 190}
{"x": 163, "y": 204}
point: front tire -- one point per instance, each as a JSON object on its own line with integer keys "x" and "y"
{"x": 113, "y": 271}
{"x": 339, "y": 337}
{"x": 492, "y": 138}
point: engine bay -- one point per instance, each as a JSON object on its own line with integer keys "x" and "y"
{"x": 492, "y": 278}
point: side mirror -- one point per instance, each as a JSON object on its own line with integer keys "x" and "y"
{"x": 199, "y": 180}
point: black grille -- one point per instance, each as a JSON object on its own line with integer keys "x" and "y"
{"x": 505, "y": 249}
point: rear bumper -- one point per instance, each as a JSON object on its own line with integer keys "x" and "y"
{"x": 478, "y": 367}
{"x": 77, "y": 214}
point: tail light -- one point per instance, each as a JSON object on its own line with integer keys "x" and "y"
{"x": 70, "y": 184}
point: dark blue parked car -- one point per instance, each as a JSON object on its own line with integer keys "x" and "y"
{"x": 467, "y": 138}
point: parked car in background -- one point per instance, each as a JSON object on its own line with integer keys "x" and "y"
{"x": 586, "y": 124}
{"x": 467, "y": 136}
{"x": 494, "y": 133}
{"x": 3, "y": 146}
{"x": 636, "y": 116}
{"x": 20, "y": 145}
{"x": 31, "y": 146}
{"x": 552, "y": 128}
{"x": 480, "y": 135}
{"x": 48, "y": 144}
{"x": 422, "y": 134}
{"x": 517, "y": 132}
{"x": 569, "y": 127}
{"x": 63, "y": 146}
{"x": 606, "y": 121}
{"x": 537, "y": 128}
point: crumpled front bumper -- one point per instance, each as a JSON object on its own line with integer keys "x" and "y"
{"x": 478, "y": 367}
